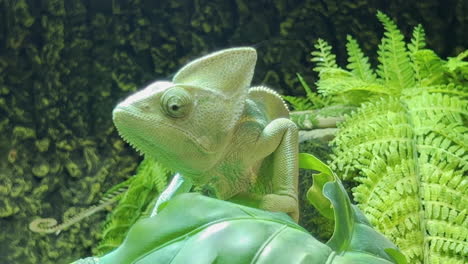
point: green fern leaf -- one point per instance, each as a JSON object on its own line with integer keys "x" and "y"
{"x": 429, "y": 67}
{"x": 418, "y": 40}
{"x": 458, "y": 62}
{"x": 317, "y": 100}
{"x": 410, "y": 157}
{"x": 323, "y": 56}
{"x": 298, "y": 103}
{"x": 358, "y": 64}
{"x": 456, "y": 70}
{"x": 448, "y": 89}
{"x": 338, "y": 82}
{"x": 395, "y": 67}
{"x": 417, "y": 43}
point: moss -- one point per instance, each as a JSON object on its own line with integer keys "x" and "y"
{"x": 41, "y": 169}
{"x": 7, "y": 209}
{"x": 42, "y": 145}
{"x": 21, "y": 133}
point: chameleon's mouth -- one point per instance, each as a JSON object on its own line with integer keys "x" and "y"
{"x": 123, "y": 119}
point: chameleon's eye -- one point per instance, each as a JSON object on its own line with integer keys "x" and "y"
{"x": 176, "y": 102}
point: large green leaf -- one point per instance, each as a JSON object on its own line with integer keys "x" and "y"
{"x": 192, "y": 228}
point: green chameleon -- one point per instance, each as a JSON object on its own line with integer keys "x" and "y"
{"x": 216, "y": 131}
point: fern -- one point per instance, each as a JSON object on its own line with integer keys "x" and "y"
{"x": 323, "y": 57}
{"x": 317, "y": 100}
{"x": 428, "y": 66}
{"x": 358, "y": 63}
{"x": 403, "y": 161}
{"x": 457, "y": 69}
{"x": 312, "y": 101}
{"x": 149, "y": 181}
{"x": 406, "y": 146}
{"x": 418, "y": 41}
{"x": 395, "y": 68}
{"x": 458, "y": 63}
{"x": 298, "y": 103}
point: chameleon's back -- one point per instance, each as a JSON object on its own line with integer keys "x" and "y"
{"x": 269, "y": 101}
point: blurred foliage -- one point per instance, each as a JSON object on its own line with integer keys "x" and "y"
{"x": 137, "y": 202}
{"x": 65, "y": 64}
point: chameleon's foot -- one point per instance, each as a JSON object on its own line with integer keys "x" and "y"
{"x": 281, "y": 203}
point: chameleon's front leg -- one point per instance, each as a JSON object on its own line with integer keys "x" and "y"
{"x": 280, "y": 139}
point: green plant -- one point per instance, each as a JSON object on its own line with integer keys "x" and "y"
{"x": 148, "y": 182}
{"x": 406, "y": 145}
{"x": 311, "y": 101}
{"x": 191, "y": 228}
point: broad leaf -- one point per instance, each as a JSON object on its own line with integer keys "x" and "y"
{"x": 192, "y": 228}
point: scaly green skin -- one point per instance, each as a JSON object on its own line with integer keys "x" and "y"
{"x": 210, "y": 127}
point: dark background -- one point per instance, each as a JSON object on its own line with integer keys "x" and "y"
{"x": 64, "y": 64}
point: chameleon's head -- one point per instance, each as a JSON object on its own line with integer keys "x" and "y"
{"x": 187, "y": 123}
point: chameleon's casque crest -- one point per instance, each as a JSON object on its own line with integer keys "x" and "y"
{"x": 229, "y": 71}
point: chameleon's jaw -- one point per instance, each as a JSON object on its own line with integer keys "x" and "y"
{"x": 120, "y": 117}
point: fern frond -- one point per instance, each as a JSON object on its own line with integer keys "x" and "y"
{"x": 406, "y": 145}
{"x": 370, "y": 111}
{"x": 456, "y": 70}
{"x": 345, "y": 88}
{"x": 417, "y": 43}
{"x": 447, "y": 89}
{"x": 149, "y": 180}
{"x": 358, "y": 64}
{"x": 418, "y": 40}
{"x": 317, "y": 100}
{"x": 410, "y": 159}
{"x": 298, "y": 103}
{"x": 458, "y": 62}
{"x": 436, "y": 107}
{"x": 443, "y": 167}
{"x": 395, "y": 67}
{"x": 312, "y": 101}
{"x": 323, "y": 56}
{"x": 117, "y": 189}
{"x": 338, "y": 82}
{"x": 154, "y": 172}
{"x": 360, "y": 139}
{"x": 429, "y": 67}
